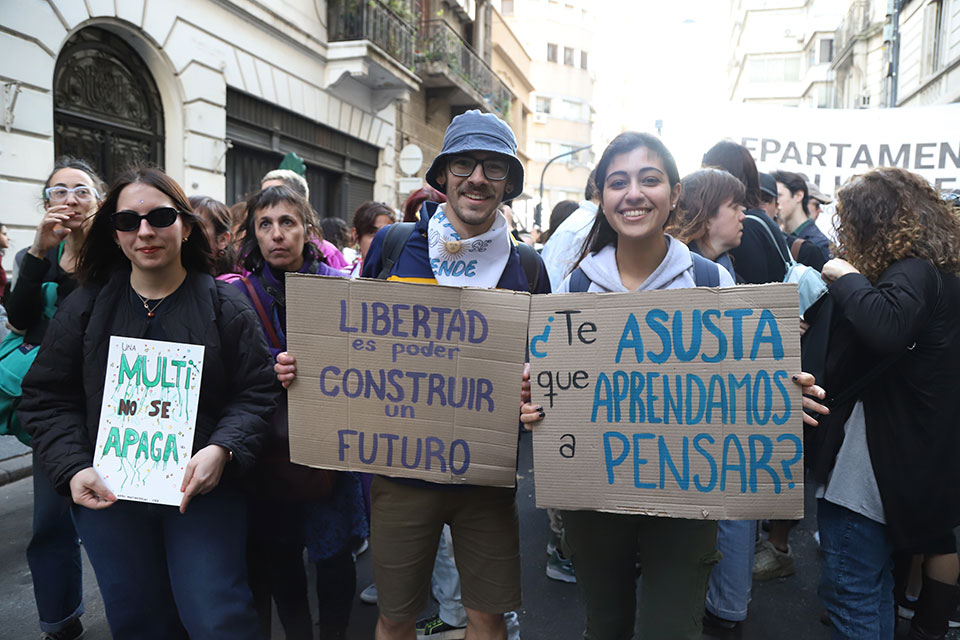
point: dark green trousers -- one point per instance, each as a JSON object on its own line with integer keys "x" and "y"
{"x": 676, "y": 556}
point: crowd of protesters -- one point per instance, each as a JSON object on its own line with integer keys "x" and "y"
{"x": 139, "y": 259}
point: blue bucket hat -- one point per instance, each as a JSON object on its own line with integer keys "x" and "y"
{"x": 475, "y": 131}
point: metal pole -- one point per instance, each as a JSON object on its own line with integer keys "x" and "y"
{"x": 895, "y": 54}
{"x": 539, "y": 208}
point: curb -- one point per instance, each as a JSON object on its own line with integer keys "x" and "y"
{"x": 16, "y": 468}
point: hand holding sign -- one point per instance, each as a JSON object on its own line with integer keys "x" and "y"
{"x": 809, "y": 385}
{"x": 529, "y": 413}
{"x": 203, "y": 473}
{"x": 285, "y": 368}
{"x": 88, "y": 490}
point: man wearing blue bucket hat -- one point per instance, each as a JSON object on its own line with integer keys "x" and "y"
{"x": 463, "y": 242}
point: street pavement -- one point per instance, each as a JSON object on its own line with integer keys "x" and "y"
{"x": 786, "y": 608}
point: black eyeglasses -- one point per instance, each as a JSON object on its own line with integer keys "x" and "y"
{"x": 157, "y": 218}
{"x": 495, "y": 169}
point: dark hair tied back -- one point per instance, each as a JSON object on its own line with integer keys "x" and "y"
{"x": 71, "y": 162}
{"x": 601, "y": 233}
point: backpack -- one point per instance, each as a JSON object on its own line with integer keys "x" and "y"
{"x": 810, "y": 284}
{"x": 706, "y": 273}
{"x": 396, "y": 239}
{"x": 16, "y": 357}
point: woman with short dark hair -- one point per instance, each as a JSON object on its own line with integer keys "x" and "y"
{"x": 369, "y": 218}
{"x": 145, "y": 272}
{"x": 293, "y": 506}
{"x": 759, "y": 258}
{"x": 709, "y": 216}
{"x": 214, "y": 218}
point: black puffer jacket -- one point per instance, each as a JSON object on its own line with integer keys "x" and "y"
{"x": 63, "y": 390}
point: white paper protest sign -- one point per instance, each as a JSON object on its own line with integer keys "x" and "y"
{"x": 148, "y": 418}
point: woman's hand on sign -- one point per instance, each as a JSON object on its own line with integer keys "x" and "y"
{"x": 525, "y": 394}
{"x": 203, "y": 473}
{"x": 285, "y": 368}
{"x": 811, "y": 391}
{"x": 88, "y": 490}
{"x": 531, "y": 413}
{"x": 835, "y": 269}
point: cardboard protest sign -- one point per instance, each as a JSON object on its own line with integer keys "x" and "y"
{"x": 408, "y": 380}
{"x": 148, "y": 418}
{"x": 672, "y": 403}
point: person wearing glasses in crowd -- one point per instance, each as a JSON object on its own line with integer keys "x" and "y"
{"x": 477, "y": 169}
{"x": 71, "y": 196}
{"x": 146, "y": 272}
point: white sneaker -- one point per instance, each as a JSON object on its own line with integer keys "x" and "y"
{"x": 369, "y": 595}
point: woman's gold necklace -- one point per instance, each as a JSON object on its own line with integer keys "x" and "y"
{"x": 150, "y": 312}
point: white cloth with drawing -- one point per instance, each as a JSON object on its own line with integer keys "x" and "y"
{"x": 474, "y": 262}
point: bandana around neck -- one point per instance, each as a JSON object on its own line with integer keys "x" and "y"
{"x": 475, "y": 262}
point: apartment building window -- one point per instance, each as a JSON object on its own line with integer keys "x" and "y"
{"x": 583, "y": 59}
{"x": 570, "y": 110}
{"x": 568, "y": 56}
{"x": 932, "y": 36}
{"x": 826, "y": 50}
{"x": 763, "y": 69}
{"x": 507, "y": 6}
{"x": 542, "y": 149}
{"x": 825, "y": 96}
{"x": 551, "y": 52}
{"x": 543, "y": 104}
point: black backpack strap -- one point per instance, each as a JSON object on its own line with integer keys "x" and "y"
{"x": 530, "y": 261}
{"x": 788, "y": 261}
{"x": 706, "y": 273}
{"x": 393, "y": 243}
{"x": 579, "y": 281}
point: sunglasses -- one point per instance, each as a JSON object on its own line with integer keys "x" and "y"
{"x": 157, "y": 218}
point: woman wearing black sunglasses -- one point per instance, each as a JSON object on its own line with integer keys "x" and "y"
{"x": 145, "y": 271}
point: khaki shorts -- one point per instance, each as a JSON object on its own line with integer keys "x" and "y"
{"x": 406, "y": 522}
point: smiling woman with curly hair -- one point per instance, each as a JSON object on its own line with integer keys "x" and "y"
{"x": 889, "y": 214}
{"x": 886, "y": 457}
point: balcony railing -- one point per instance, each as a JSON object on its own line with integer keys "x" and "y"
{"x": 856, "y": 22}
{"x": 439, "y": 43}
{"x": 371, "y": 20}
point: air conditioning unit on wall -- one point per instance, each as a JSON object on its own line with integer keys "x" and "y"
{"x": 540, "y": 118}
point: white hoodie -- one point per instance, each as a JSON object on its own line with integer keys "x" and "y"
{"x": 675, "y": 272}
